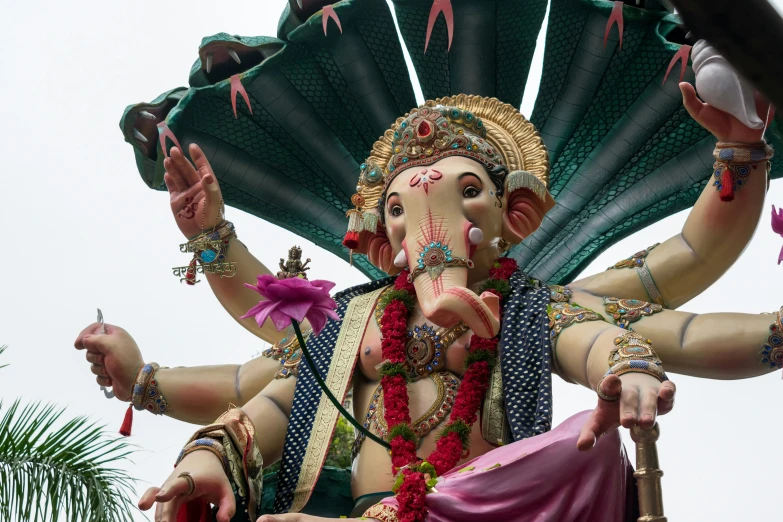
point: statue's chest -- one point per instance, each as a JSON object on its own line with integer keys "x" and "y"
{"x": 429, "y": 348}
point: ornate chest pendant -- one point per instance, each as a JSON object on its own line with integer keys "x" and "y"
{"x": 425, "y": 351}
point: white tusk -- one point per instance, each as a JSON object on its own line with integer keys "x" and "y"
{"x": 209, "y": 63}
{"x": 139, "y": 136}
{"x": 147, "y": 115}
{"x": 401, "y": 261}
{"x": 233, "y": 54}
{"x": 475, "y": 236}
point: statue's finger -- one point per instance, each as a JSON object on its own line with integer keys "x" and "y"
{"x": 94, "y": 357}
{"x": 170, "y": 509}
{"x": 171, "y": 186}
{"x": 176, "y": 487}
{"x": 173, "y": 170}
{"x": 692, "y": 103}
{"x": 147, "y": 499}
{"x": 90, "y": 330}
{"x": 648, "y": 408}
{"x": 666, "y": 398}
{"x": 98, "y": 370}
{"x": 629, "y": 407}
{"x": 185, "y": 167}
{"x": 201, "y": 161}
{"x": 226, "y": 505}
{"x": 104, "y": 381}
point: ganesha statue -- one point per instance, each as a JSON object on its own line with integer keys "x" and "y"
{"x": 478, "y": 218}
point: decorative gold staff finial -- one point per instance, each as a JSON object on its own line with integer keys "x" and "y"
{"x": 293, "y": 267}
{"x": 648, "y": 474}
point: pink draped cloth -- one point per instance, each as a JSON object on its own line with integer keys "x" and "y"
{"x": 541, "y": 479}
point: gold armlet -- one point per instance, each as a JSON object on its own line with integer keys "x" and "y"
{"x": 627, "y": 311}
{"x": 638, "y": 262}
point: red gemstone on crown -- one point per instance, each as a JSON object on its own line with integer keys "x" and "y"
{"x": 424, "y": 129}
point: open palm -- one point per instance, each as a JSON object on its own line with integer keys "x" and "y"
{"x": 194, "y": 193}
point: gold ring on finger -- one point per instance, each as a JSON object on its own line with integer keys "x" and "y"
{"x": 603, "y": 396}
{"x": 191, "y": 483}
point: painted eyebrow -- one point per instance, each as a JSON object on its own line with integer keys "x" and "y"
{"x": 466, "y": 174}
{"x": 391, "y": 196}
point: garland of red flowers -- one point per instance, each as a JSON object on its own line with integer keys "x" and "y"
{"x": 415, "y": 477}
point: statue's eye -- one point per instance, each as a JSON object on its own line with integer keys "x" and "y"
{"x": 471, "y": 192}
{"x": 396, "y": 210}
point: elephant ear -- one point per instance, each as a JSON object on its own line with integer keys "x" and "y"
{"x": 525, "y": 210}
{"x": 527, "y": 203}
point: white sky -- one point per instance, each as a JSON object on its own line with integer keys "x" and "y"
{"x": 84, "y": 231}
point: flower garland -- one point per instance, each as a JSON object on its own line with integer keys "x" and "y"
{"x": 415, "y": 477}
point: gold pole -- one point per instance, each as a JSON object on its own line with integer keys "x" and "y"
{"x": 648, "y": 474}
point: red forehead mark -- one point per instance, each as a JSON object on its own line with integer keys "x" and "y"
{"x": 424, "y": 178}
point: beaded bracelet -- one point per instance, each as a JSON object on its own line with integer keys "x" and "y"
{"x": 733, "y": 164}
{"x": 212, "y": 445}
{"x": 146, "y": 395}
{"x": 638, "y": 366}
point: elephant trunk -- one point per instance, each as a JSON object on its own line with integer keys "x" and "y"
{"x": 435, "y": 251}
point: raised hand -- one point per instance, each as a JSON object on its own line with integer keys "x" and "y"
{"x": 194, "y": 193}
{"x": 721, "y": 124}
{"x": 209, "y": 482}
{"x": 641, "y": 399}
{"x": 114, "y": 356}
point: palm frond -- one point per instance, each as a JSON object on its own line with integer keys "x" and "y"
{"x": 65, "y": 473}
{"x": 2, "y": 349}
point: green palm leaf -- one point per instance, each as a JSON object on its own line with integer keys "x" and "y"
{"x": 50, "y": 474}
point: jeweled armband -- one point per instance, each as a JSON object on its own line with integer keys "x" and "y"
{"x": 563, "y": 315}
{"x": 559, "y": 294}
{"x": 772, "y": 353}
{"x": 288, "y": 352}
{"x": 145, "y": 392}
{"x": 627, "y": 311}
{"x": 638, "y": 261}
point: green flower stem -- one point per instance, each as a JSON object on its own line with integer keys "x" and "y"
{"x": 329, "y": 394}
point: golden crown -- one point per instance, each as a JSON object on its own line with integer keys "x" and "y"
{"x": 484, "y": 129}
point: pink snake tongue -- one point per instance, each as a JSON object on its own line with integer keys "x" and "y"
{"x": 237, "y": 87}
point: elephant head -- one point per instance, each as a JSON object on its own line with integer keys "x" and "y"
{"x": 451, "y": 190}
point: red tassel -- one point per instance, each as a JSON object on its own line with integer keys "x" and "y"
{"x": 351, "y": 240}
{"x": 127, "y": 424}
{"x": 727, "y": 185}
{"x": 190, "y": 275}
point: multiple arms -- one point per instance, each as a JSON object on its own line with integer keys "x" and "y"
{"x": 715, "y": 233}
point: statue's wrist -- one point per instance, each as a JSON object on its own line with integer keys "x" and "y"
{"x": 146, "y": 393}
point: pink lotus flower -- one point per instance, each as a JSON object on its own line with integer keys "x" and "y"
{"x": 777, "y": 227}
{"x": 293, "y": 298}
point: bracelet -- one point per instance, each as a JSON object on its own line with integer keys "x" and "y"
{"x": 635, "y": 366}
{"x": 634, "y": 354}
{"x": 288, "y": 352}
{"x": 733, "y": 163}
{"x": 205, "y": 444}
{"x": 235, "y": 432}
{"x": 210, "y": 247}
{"x": 381, "y": 512}
{"x": 638, "y": 261}
{"x": 146, "y": 395}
